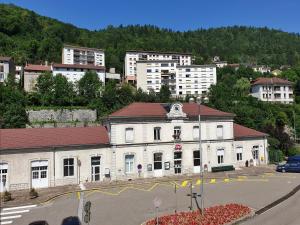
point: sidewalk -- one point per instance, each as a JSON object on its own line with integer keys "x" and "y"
{"x": 21, "y": 197}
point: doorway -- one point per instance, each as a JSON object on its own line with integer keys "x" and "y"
{"x": 95, "y": 162}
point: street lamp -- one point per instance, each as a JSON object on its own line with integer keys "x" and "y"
{"x": 201, "y": 195}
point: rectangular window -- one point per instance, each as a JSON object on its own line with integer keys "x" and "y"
{"x": 68, "y": 167}
{"x": 196, "y": 155}
{"x": 219, "y": 131}
{"x": 156, "y": 133}
{"x": 149, "y": 70}
{"x": 129, "y": 163}
{"x": 157, "y": 159}
{"x": 196, "y": 132}
{"x": 220, "y": 155}
{"x": 239, "y": 153}
{"x": 129, "y": 134}
{"x": 177, "y": 132}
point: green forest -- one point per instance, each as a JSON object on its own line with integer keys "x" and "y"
{"x": 29, "y": 37}
{"x": 32, "y": 38}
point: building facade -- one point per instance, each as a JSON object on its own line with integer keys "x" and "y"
{"x": 182, "y": 80}
{"x": 75, "y": 72}
{"x": 140, "y": 140}
{"x": 273, "y": 90}
{"x": 83, "y": 56}
{"x": 7, "y": 66}
{"x": 31, "y": 73}
{"x": 131, "y": 58}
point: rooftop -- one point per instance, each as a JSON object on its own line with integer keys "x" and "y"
{"x": 78, "y": 66}
{"x": 196, "y": 66}
{"x": 245, "y": 132}
{"x": 5, "y": 58}
{"x": 160, "y": 110}
{"x": 82, "y": 48}
{"x": 28, "y": 138}
{"x": 156, "y": 52}
{"x": 269, "y": 81}
{"x": 34, "y": 67}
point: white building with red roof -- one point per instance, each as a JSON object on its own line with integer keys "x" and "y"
{"x": 273, "y": 90}
{"x": 139, "y": 140}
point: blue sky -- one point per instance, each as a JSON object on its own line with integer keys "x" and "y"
{"x": 175, "y": 14}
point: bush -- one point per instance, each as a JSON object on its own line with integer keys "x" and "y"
{"x": 7, "y": 196}
{"x": 293, "y": 151}
{"x": 33, "y": 193}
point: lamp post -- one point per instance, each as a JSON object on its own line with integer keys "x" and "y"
{"x": 201, "y": 195}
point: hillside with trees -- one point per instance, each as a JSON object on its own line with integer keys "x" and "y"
{"x": 27, "y": 36}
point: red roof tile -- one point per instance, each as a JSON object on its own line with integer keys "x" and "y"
{"x": 269, "y": 81}
{"x": 33, "y": 67}
{"x": 78, "y": 66}
{"x": 242, "y": 132}
{"x": 52, "y": 137}
{"x": 139, "y": 109}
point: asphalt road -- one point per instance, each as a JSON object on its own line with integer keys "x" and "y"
{"x": 132, "y": 205}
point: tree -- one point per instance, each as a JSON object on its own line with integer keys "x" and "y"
{"x": 63, "y": 91}
{"x": 45, "y": 88}
{"x": 164, "y": 93}
{"x": 125, "y": 94}
{"x": 89, "y": 86}
{"x": 242, "y": 85}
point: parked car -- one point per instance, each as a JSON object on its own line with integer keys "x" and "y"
{"x": 42, "y": 222}
{"x": 292, "y": 165}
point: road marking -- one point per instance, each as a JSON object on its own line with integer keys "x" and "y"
{"x": 212, "y": 181}
{"x": 184, "y": 183}
{"x": 78, "y": 195}
{"x": 19, "y": 207}
{"x": 6, "y": 222}
{"x": 10, "y": 217}
{"x": 14, "y": 212}
{"x": 242, "y": 177}
{"x": 226, "y": 180}
{"x": 198, "y": 182}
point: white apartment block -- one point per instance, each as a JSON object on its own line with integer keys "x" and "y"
{"x": 75, "y": 72}
{"x": 132, "y": 57}
{"x": 139, "y": 141}
{"x": 83, "y": 56}
{"x": 7, "y": 66}
{"x": 195, "y": 79}
{"x": 273, "y": 90}
{"x": 182, "y": 80}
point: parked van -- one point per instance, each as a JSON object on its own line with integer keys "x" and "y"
{"x": 292, "y": 165}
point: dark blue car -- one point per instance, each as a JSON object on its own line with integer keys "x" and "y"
{"x": 292, "y": 165}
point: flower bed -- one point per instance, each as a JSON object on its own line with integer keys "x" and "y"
{"x": 216, "y": 215}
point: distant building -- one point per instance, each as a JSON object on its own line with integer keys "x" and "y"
{"x": 83, "y": 56}
{"x": 7, "y": 66}
{"x": 261, "y": 69}
{"x": 19, "y": 73}
{"x": 272, "y": 90}
{"x": 31, "y": 73}
{"x": 182, "y": 79}
{"x": 221, "y": 64}
{"x": 112, "y": 75}
{"x": 132, "y": 57}
{"x": 75, "y": 72}
{"x": 276, "y": 72}
{"x": 235, "y": 66}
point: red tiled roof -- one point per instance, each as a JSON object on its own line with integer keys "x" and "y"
{"x": 242, "y": 132}
{"x": 139, "y": 109}
{"x": 78, "y": 66}
{"x": 33, "y": 67}
{"x": 269, "y": 81}
{"x": 52, "y": 137}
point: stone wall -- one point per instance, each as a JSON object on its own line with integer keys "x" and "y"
{"x": 62, "y": 115}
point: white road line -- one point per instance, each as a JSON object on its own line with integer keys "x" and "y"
{"x": 6, "y": 222}
{"x": 14, "y": 212}
{"x": 10, "y": 217}
{"x": 19, "y": 207}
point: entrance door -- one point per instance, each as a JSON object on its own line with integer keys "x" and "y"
{"x": 255, "y": 155}
{"x": 95, "y": 162}
{"x": 177, "y": 162}
{"x": 39, "y": 174}
{"x": 3, "y": 176}
{"x": 157, "y": 158}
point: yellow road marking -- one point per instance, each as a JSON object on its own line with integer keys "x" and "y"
{"x": 226, "y": 180}
{"x": 212, "y": 181}
{"x": 184, "y": 183}
{"x": 198, "y": 182}
{"x": 242, "y": 177}
{"x": 78, "y": 194}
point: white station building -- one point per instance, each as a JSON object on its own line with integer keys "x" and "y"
{"x": 140, "y": 140}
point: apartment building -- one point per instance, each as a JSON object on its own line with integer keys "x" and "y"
{"x": 7, "y": 66}
{"x": 83, "y": 56}
{"x": 31, "y": 74}
{"x": 131, "y": 58}
{"x": 195, "y": 79}
{"x": 182, "y": 80}
{"x": 139, "y": 140}
{"x": 273, "y": 90}
{"x": 74, "y": 72}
